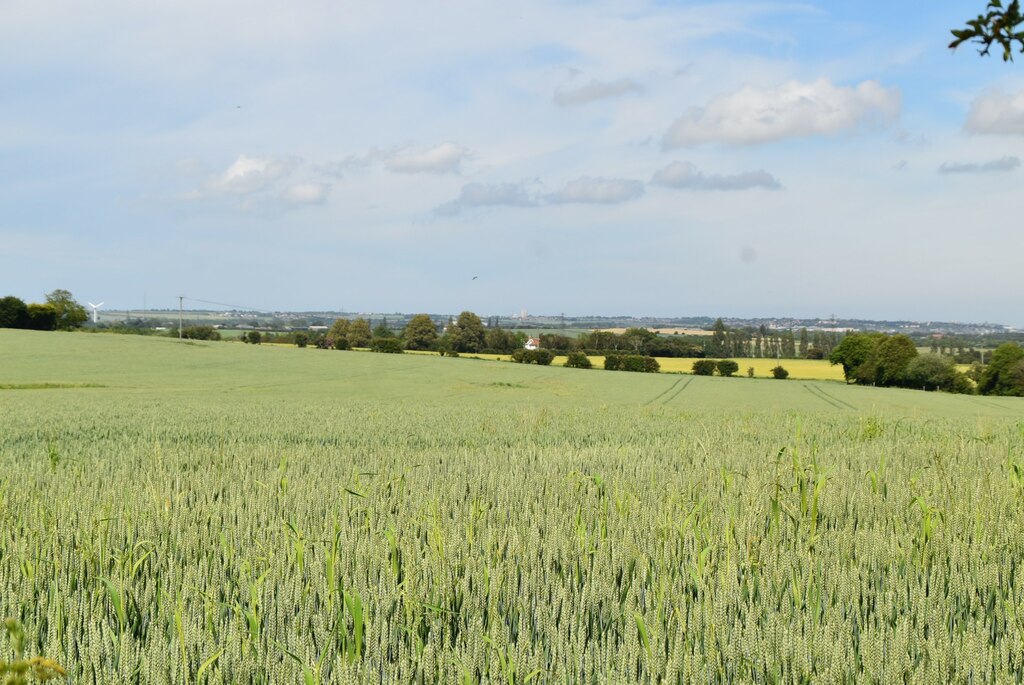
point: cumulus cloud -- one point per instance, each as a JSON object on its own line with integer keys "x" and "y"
{"x": 595, "y": 90}
{"x": 997, "y": 112}
{"x": 601, "y": 191}
{"x": 995, "y": 166}
{"x": 249, "y": 175}
{"x": 441, "y": 159}
{"x": 687, "y": 176}
{"x": 792, "y": 110}
{"x": 489, "y": 195}
{"x": 306, "y": 193}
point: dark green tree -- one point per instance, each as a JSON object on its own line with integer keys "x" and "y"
{"x": 70, "y": 314}
{"x": 856, "y": 350}
{"x": 1004, "y": 374}
{"x": 578, "y": 360}
{"x": 704, "y": 367}
{"x": 382, "y": 330}
{"x": 718, "y": 339}
{"x": 420, "y": 333}
{"x": 42, "y": 317}
{"x": 13, "y": 312}
{"x": 892, "y": 358}
{"x": 999, "y": 25}
{"x": 930, "y": 372}
{"x": 359, "y": 334}
{"x": 467, "y": 334}
{"x": 780, "y": 373}
{"x": 727, "y": 367}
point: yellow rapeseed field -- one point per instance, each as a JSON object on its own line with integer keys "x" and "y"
{"x": 799, "y": 369}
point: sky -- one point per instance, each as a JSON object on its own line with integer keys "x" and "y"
{"x": 649, "y": 158}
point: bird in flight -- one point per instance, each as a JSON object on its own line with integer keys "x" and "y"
{"x": 474, "y": 278}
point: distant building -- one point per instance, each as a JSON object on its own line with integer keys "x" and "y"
{"x": 532, "y": 344}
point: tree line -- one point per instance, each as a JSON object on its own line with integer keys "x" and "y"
{"x": 60, "y": 311}
{"x": 894, "y": 361}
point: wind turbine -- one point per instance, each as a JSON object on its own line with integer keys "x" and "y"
{"x": 95, "y": 311}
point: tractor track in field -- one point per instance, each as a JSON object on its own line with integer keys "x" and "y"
{"x": 678, "y": 392}
{"x": 825, "y": 397}
{"x": 663, "y": 392}
{"x": 833, "y": 397}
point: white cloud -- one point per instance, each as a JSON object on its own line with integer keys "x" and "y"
{"x": 590, "y": 190}
{"x": 306, "y": 193}
{"x": 687, "y": 176}
{"x": 595, "y": 90}
{"x": 792, "y": 110}
{"x": 489, "y": 195}
{"x": 441, "y": 159}
{"x": 997, "y": 112}
{"x": 995, "y": 166}
{"x": 249, "y": 175}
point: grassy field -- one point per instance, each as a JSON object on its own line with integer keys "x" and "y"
{"x": 224, "y": 513}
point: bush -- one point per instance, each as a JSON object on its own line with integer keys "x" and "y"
{"x": 301, "y": 339}
{"x": 750, "y": 372}
{"x": 578, "y": 360}
{"x": 780, "y": 373}
{"x": 201, "y": 333}
{"x": 341, "y": 343}
{"x": 727, "y": 367}
{"x": 387, "y": 345}
{"x": 631, "y": 362}
{"x": 252, "y": 337}
{"x": 540, "y": 357}
{"x": 704, "y": 367}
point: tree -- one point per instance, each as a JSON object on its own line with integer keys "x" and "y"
{"x": 856, "y": 350}
{"x": 780, "y": 373}
{"x": 718, "y": 332}
{"x": 892, "y": 358}
{"x": 382, "y": 330}
{"x": 42, "y": 317}
{"x": 359, "y": 333}
{"x": 420, "y": 333}
{"x": 467, "y": 334}
{"x": 578, "y": 360}
{"x": 727, "y": 367}
{"x": 1004, "y": 374}
{"x": 13, "y": 312}
{"x": 301, "y": 339}
{"x": 998, "y": 25}
{"x": 935, "y": 372}
{"x": 70, "y": 314}
{"x": 338, "y": 331}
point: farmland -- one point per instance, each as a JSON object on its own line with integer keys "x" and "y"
{"x": 215, "y": 512}
{"x": 799, "y": 369}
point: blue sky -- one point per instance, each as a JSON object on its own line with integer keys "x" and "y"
{"x": 649, "y": 158}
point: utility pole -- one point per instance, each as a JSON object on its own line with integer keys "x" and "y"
{"x": 181, "y": 298}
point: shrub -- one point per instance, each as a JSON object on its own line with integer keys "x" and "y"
{"x": 301, "y": 339}
{"x": 201, "y": 333}
{"x": 750, "y": 372}
{"x": 578, "y": 360}
{"x": 341, "y": 343}
{"x": 704, "y": 367}
{"x": 540, "y": 357}
{"x": 727, "y": 367}
{"x": 780, "y": 373}
{"x": 387, "y": 345}
{"x": 631, "y": 362}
